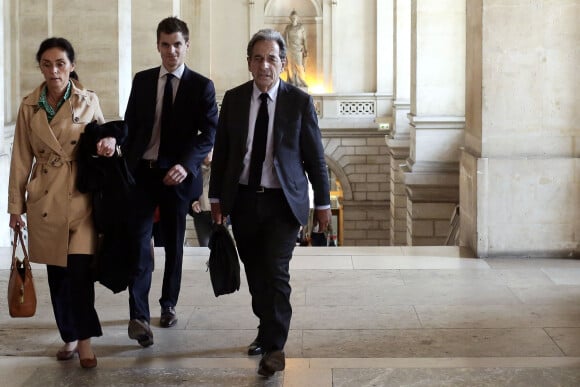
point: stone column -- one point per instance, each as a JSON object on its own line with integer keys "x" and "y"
{"x": 520, "y": 168}
{"x": 95, "y": 39}
{"x": 384, "y": 83}
{"x": 398, "y": 140}
{"x": 437, "y": 115}
{"x": 255, "y": 16}
{"x": 334, "y": 46}
{"x": 124, "y": 46}
{"x": 199, "y": 16}
{"x": 3, "y": 7}
{"x": 4, "y": 149}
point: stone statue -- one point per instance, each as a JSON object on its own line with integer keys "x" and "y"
{"x": 295, "y": 36}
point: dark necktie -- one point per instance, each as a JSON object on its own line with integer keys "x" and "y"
{"x": 259, "y": 143}
{"x": 166, "y": 110}
{"x": 167, "y": 102}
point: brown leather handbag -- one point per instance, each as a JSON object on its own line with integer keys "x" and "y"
{"x": 21, "y": 293}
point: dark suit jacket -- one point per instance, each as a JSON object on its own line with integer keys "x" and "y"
{"x": 193, "y": 128}
{"x": 297, "y": 149}
{"x": 110, "y": 183}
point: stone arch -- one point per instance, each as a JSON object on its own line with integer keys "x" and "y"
{"x": 341, "y": 176}
{"x": 315, "y": 4}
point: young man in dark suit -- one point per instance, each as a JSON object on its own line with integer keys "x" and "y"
{"x": 171, "y": 116}
{"x": 261, "y": 182}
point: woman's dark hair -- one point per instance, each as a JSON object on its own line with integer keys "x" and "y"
{"x": 61, "y": 43}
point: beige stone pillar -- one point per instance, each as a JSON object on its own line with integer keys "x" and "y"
{"x": 384, "y": 83}
{"x": 3, "y": 8}
{"x": 4, "y": 149}
{"x": 330, "y": 43}
{"x": 101, "y": 60}
{"x": 398, "y": 140}
{"x": 520, "y": 169}
{"x": 125, "y": 60}
{"x": 198, "y": 15}
{"x": 255, "y": 16}
{"x": 436, "y": 115}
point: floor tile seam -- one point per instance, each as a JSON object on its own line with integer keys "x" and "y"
{"x": 448, "y": 362}
{"x": 554, "y": 341}
{"x": 428, "y": 329}
{"x": 422, "y": 327}
{"x": 512, "y": 327}
{"x": 418, "y": 317}
{"x": 116, "y": 362}
{"x": 542, "y": 269}
{"x": 302, "y": 330}
{"x": 50, "y": 330}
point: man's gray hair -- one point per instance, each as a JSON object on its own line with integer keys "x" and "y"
{"x": 267, "y": 34}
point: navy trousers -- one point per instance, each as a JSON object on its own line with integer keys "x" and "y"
{"x": 72, "y": 293}
{"x": 149, "y": 193}
{"x": 265, "y": 232}
{"x": 203, "y": 227}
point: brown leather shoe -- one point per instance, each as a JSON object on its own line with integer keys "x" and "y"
{"x": 89, "y": 363}
{"x": 66, "y": 355}
{"x": 272, "y": 362}
{"x": 141, "y": 331}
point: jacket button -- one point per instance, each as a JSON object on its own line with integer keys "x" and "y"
{"x": 76, "y": 119}
{"x": 45, "y": 171}
{"x": 42, "y": 151}
{"x": 46, "y": 192}
{"x": 44, "y": 215}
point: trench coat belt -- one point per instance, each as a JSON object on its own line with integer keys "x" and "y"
{"x": 54, "y": 160}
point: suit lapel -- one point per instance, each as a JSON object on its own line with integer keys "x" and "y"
{"x": 149, "y": 89}
{"x": 280, "y": 116}
{"x": 244, "y": 109}
{"x": 186, "y": 77}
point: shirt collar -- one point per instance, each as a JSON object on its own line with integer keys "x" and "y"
{"x": 272, "y": 93}
{"x": 66, "y": 95}
{"x": 178, "y": 71}
{"x": 43, "y": 102}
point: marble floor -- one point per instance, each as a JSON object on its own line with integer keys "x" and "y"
{"x": 363, "y": 316}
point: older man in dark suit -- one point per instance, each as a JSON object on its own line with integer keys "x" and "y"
{"x": 268, "y": 145}
{"x": 171, "y": 116}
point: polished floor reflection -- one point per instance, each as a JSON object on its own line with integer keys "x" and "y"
{"x": 363, "y": 316}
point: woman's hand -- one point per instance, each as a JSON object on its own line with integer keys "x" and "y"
{"x": 16, "y": 221}
{"x": 106, "y": 146}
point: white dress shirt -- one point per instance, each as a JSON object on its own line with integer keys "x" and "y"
{"x": 269, "y": 176}
{"x": 153, "y": 148}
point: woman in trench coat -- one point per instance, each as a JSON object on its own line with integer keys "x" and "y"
{"x": 42, "y": 179}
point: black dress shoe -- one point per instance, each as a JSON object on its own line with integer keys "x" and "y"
{"x": 255, "y": 348}
{"x": 168, "y": 317}
{"x": 139, "y": 330}
{"x": 272, "y": 362}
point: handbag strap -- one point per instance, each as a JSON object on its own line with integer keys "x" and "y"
{"x": 18, "y": 236}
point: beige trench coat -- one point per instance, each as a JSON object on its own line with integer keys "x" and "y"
{"x": 43, "y": 173}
